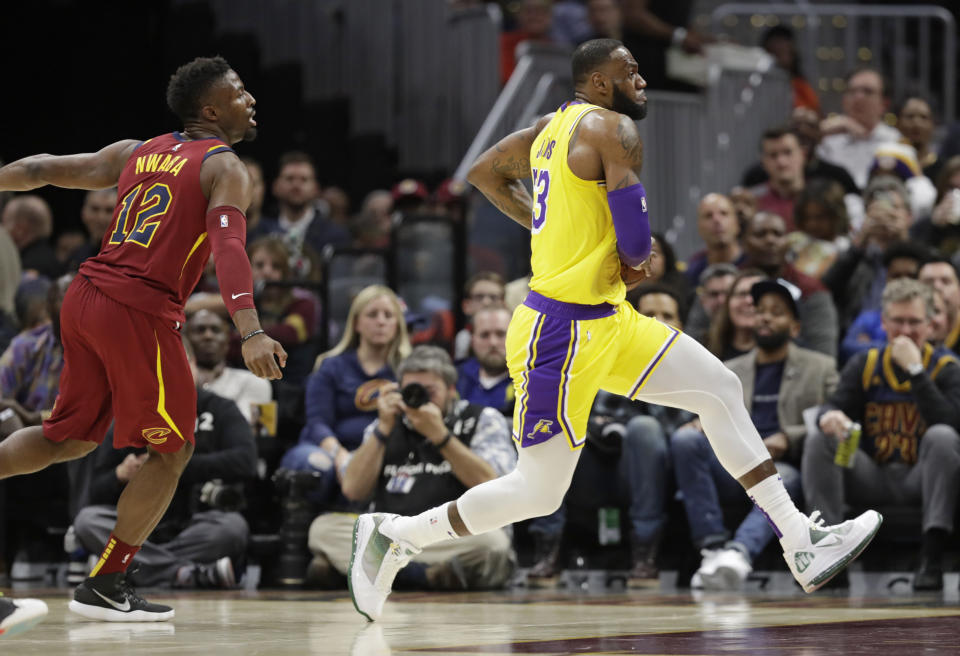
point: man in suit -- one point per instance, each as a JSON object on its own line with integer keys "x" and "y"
{"x": 780, "y": 380}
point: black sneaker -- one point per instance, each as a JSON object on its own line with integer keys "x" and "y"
{"x": 19, "y": 615}
{"x": 111, "y": 598}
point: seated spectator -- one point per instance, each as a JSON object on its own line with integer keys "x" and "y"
{"x": 940, "y": 321}
{"x": 302, "y": 215}
{"x": 902, "y": 260}
{"x": 857, "y": 277}
{"x": 906, "y": 397}
{"x": 371, "y": 228}
{"x": 534, "y": 23}
{"x": 781, "y": 43}
{"x": 29, "y": 222}
{"x": 569, "y": 22}
{"x": 208, "y": 335}
{"x": 633, "y": 434}
{"x": 916, "y": 122}
{"x": 744, "y": 203}
{"x": 715, "y": 283}
{"x": 780, "y": 380}
{"x": 731, "y": 329}
{"x": 30, "y": 302}
{"x": 483, "y": 289}
{"x": 719, "y": 229}
{"x": 663, "y": 270}
{"x": 941, "y": 274}
{"x": 782, "y": 159}
{"x": 765, "y": 244}
{"x": 202, "y": 538}
{"x": 97, "y": 216}
{"x": 605, "y": 19}
{"x": 820, "y": 216}
{"x": 941, "y": 229}
{"x": 900, "y": 160}
{"x": 342, "y": 391}
{"x": 257, "y": 225}
{"x": 450, "y": 199}
{"x": 422, "y": 451}
{"x": 338, "y": 203}
{"x": 805, "y": 123}
{"x": 851, "y": 138}
{"x": 30, "y": 368}
{"x": 484, "y": 379}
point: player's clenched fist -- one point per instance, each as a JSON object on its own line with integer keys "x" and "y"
{"x": 258, "y": 355}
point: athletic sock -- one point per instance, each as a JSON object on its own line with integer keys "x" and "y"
{"x": 772, "y": 499}
{"x": 421, "y": 530}
{"x": 116, "y": 557}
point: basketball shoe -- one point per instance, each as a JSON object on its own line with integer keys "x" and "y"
{"x": 825, "y": 550}
{"x": 19, "y": 615}
{"x": 111, "y": 598}
{"x": 374, "y": 563}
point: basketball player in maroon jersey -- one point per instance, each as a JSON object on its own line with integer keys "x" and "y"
{"x": 181, "y": 196}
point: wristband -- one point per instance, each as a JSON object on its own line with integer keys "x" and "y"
{"x": 380, "y": 436}
{"x": 244, "y": 339}
{"x": 442, "y": 443}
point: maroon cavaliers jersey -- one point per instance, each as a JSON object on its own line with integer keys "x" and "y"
{"x": 154, "y": 252}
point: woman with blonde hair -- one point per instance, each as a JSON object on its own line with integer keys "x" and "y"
{"x": 341, "y": 393}
{"x": 731, "y": 330}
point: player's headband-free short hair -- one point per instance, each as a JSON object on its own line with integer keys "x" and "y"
{"x": 589, "y": 55}
{"x": 190, "y": 83}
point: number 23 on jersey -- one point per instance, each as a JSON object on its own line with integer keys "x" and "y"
{"x": 541, "y": 186}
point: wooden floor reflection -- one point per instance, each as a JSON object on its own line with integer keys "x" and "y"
{"x": 543, "y": 622}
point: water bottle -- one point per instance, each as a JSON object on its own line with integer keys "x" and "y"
{"x": 848, "y": 447}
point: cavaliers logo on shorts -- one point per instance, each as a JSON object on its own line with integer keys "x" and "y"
{"x": 155, "y": 435}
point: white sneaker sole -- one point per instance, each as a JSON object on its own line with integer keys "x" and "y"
{"x": 724, "y": 578}
{"x": 824, "y": 577}
{"x": 356, "y": 581}
{"x": 29, "y": 613}
{"x": 111, "y": 615}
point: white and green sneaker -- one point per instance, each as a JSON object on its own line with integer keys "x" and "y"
{"x": 374, "y": 562}
{"x": 828, "y": 549}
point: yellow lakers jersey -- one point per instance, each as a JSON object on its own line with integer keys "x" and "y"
{"x": 574, "y": 247}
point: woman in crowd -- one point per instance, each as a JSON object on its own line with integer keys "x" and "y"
{"x": 731, "y": 331}
{"x": 941, "y": 230}
{"x": 341, "y": 394}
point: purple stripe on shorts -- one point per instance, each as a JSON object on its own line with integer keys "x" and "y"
{"x": 653, "y": 364}
{"x": 539, "y": 421}
{"x": 528, "y": 365}
{"x": 568, "y": 311}
{"x": 565, "y": 384}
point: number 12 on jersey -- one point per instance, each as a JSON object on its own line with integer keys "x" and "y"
{"x": 153, "y": 205}
{"x": 541, "y": 186}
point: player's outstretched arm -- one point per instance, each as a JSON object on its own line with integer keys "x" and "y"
{"x": 621, "y": 151}
{"x": 229, "y": 194}
{"x": 99, "y": 170}
{"x": 497, "y": 173}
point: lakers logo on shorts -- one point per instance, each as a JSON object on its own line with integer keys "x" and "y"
{"x": 543, "y": 426}
{"x": 155, "y": 435}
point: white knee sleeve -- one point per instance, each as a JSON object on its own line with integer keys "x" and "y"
{"x": 692, "y": 378}
{"x": 535, "y": 488}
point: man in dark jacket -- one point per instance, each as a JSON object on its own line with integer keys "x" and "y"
{"x": 906, "y": 396}
{"x": 201, "y": 534}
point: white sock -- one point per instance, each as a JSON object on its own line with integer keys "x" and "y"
{"x": 771, "y": 497}
{"x": 424, "y": 529}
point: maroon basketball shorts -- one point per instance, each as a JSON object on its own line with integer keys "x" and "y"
{"x": 122, "y": 365}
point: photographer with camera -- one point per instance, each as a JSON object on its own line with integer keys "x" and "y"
{"x": 202, "y": 534}
{"x": 426, "y": 447}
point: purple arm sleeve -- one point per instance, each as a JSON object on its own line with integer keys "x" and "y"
{"x": 631, "y": 223}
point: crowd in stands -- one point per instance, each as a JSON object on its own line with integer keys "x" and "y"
{"x": 827, "y": 281}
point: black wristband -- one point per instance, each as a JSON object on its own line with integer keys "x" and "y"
{"x": 379, "y": 435}
{"x": 249, "y": 335}
{"x": 442, "y": 443}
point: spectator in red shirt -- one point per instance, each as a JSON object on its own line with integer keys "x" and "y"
{"x": 534, "y": 23}
{"x": 782, "y": 159}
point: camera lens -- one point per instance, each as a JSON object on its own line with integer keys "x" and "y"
{"x": 414, "y": 395}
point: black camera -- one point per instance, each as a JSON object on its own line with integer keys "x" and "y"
{"x": 414, "y": 395}
{"x": 228, "y": 497}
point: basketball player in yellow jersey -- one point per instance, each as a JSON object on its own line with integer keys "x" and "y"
{"x": 574, "y": 335}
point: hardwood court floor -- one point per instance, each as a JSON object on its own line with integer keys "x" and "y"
{"x": 515, "y": 622}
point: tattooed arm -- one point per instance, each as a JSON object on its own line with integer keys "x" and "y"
{"x": 621, "y": 151}
{"x": 498, "y": 172}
